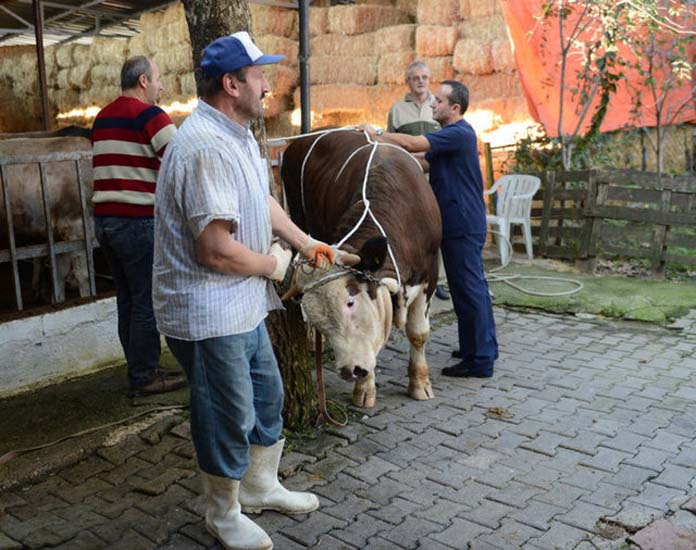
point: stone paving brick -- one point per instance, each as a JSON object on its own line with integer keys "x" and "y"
{"x": 6, "y": 543}
{"x": 76, "y": 494}
{"x": 677, "y": 477}
{"x": 372, "y": 469}
{"x": 82, "y": 541}
{"x": 606, "y": 459}
{"x": 651, "y": 459}
{"x": 585, "y": 478}
{"x": 341, "y": 486}
{"x": 130, "y": 540}
{"x": 395, "y": 511}
{"x": 657, "y": 496}
{"x": 156, "y": 453}
{"x": 630, "y": 477}
{"x": 325, "y": 542}
{"x": 562, "y": 495}
{"x": 488, "y": 513}
{"x": 460, "y": 533}
{"x": 545, "y": 443}
{"x": 584, "y": 515}
{"x": 118, "y": 454}
{"x": 666, "y": 441}
{"x": 350, "y": 507}
{"x": 123, "y": 471}
{"x": 85, "y": 469}
{"x": 159, "y": 484}
{"x": 511, "y": 534}
{"x": 542, "y": 477}
{"x": 442, "y": 511}
{"x": 180, "y": 542}
{"x": 407, "y": 533}
{"x": 362, "y": 528}
{"x": 560, "y": 537}
{"x": 169, "y": 500}
{"x": 309, "y": 531}
{"x": 625, "y": 441}
{"x": 608, "y": 495}
{"x": 685, "y": 519}
{"x": 272, "y": 522}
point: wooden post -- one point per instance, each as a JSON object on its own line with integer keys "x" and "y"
{"x": 549, "y": 184}
{"x": 659, "y": 243}
{"x": 38, "y": 31}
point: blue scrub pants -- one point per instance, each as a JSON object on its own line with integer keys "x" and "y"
{"x": 472, "y": 302}
{"x": 236, "y": 398}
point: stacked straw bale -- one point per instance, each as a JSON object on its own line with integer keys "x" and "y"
{"x": 434, "y": 40}
{"x": 396, "y": 38}
{"x": 438, "y": 12}
{"x": 343, "y": 70}
{"x": 358, "y": 19}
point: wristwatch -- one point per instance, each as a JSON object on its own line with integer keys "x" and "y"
{"x": 379, "y": 131}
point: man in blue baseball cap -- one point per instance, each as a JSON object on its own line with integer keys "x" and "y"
{"x": 212, "y": 289}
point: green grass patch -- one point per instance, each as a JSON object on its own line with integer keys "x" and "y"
{"x": 638, "y": 299}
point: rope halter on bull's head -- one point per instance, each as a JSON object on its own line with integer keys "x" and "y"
{"x": 306, "y": 278}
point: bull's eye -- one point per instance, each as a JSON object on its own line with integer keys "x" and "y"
{"x": 350, "y": 302}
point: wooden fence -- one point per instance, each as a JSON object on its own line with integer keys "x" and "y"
{"x": 631, "y": 214}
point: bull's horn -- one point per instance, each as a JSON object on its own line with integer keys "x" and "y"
{"x": 346, "y": 258}
{"x": 294, "y": 290}
{"x": 391, "y": 284}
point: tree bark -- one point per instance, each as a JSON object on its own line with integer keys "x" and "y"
{"x": 208, "y": 20}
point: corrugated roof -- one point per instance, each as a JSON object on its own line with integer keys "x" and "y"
{"x": 66, "y": 20}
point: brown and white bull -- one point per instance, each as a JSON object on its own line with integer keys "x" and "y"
{"x": 354, "y": 309}
{"x": 63, "y": 198}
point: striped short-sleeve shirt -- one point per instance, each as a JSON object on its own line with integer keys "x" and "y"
{"x": 211, "y": 170}
{"x": 129, "y": 138}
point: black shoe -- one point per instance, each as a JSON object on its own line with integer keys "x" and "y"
{"x": 457, "y": 354}
{"x": 441, "y": 293}
{"x": 462, "y": 370}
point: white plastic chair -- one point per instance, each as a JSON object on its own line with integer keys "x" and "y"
{"x": 514, "y": 206}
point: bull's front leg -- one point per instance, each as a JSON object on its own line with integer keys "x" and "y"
{"x": 365, "y": 391}
{"x": 418, "y": 330}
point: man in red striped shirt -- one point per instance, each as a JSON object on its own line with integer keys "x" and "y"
{"x": 129, "y": 137}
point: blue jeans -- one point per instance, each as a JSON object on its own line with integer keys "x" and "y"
{"x": 236, "y": 398}
{"x": 128, "y": 244}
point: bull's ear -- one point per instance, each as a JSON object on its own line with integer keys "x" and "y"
{"x": 372, "y": 254}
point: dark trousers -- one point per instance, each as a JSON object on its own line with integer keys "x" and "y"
{"x": 472, "y": 302}
{"x": 128, "y": 244}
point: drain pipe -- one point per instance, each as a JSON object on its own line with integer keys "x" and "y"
{"x": 303, "y": 6}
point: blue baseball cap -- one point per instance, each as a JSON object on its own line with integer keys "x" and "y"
{"x": 229, "y": 53}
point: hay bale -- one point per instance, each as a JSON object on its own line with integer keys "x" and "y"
{"x": 396, "y": 38}
{"x": 65, "y": 99}
{"x": 108, "y": 51}
{"x": 343, "y": 70}
{"x": 171, "y": 91}
{"x": 318, "y": 21}
{"x": 62, "y": 79}
{"x": 174, "y": 60}
{"x": 64, "y": 57}
{"x": 283, "y": 80}
{"x": 433, "y": 40}
{"x": 187, "y": 84}
{"x": 81, "y": 54}
{"x": 496, "y": 85}
{"x": 441, "y": 68}
{"x": 340, "y": 44}
{"x": 392, "y": 67}
{"x": 156, "y": 40}
{"x": 270, "y": 20}
{"x": 274, "y": 104}
{"x": 359, "y": 19}
{"x": 472, "y": 57}
{"x": 173, "y": 14}
{"x": 437, "y": 12}
{"x": 351, "y": 98}
{"x": 78, "y": 76}
{"x": 484, "y": 29}
{"x": 137, "y": 45}
{"x": 503, "y": 59}
{"x": 410, "y": 7}
{"x": 280, "y": 45}
{"x": 106, "y": 75}
{"x": 484, "y": 8}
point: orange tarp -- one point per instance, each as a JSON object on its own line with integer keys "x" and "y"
{"x": 538, "y": 63}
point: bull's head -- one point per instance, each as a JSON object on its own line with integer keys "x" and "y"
{"x": 353, "y": 310}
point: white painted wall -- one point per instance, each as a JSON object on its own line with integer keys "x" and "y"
{"x": 44, "y": 349}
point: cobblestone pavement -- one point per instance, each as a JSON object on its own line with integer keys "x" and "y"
{"x": 583, "y": 439}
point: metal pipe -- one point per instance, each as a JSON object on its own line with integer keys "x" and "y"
{"x": 86, "y": 228}
{"x": 38, "y": 31}
{"x": 304, "y": 66}
{"x": 49, "y": 233}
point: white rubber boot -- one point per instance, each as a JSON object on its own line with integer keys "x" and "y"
{"x": 260, "y": 489}
{"x": 224, "y": 518}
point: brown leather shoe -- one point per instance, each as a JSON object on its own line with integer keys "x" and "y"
{"x": 161, "y": 383}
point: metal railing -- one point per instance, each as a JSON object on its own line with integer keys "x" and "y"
{"x": 50, "y": 248}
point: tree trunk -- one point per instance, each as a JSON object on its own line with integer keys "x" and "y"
{"x": 208, "y": 20}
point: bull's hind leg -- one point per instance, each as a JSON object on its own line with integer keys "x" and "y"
{"x": 365, "y": 392}
{"x": 418, "y": 330}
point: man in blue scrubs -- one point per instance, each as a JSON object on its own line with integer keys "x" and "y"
{"x": 455, "y": 175}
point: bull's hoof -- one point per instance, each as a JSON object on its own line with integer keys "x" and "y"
{"x": 421, "y": 393}
{"x": 364, "y": 399}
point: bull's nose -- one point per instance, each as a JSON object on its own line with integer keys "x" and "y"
{"x": 352, "y": 373}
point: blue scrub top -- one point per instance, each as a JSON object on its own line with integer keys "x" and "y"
{"x": 455, "y": 175}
